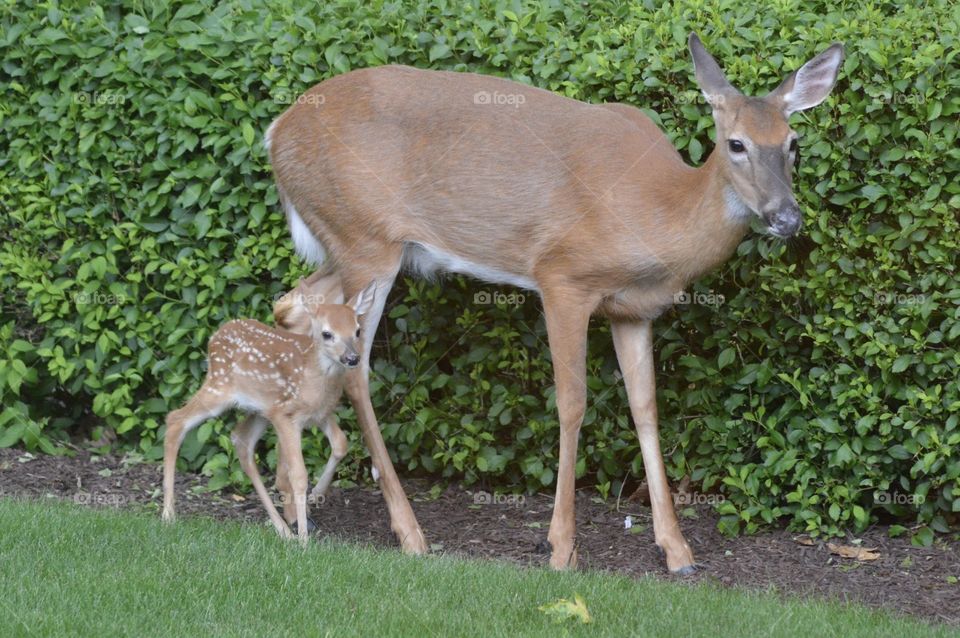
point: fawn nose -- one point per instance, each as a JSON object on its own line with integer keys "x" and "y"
{"x": 350, "y": 359}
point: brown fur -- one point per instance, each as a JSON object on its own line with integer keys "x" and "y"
{"x": 588, "y": 204}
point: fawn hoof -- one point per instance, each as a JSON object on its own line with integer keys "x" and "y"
{"x": 311, "y": 527}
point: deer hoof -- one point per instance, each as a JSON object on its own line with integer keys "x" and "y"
{"x": 311, "y": 527}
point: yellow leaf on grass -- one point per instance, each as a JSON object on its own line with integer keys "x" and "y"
{"x": 563, "y": 609}
{"x": 859, "y": 553}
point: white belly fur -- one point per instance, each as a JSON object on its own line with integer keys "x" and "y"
{"x": 426, "y": 260}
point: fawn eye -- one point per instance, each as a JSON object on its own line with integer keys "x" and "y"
{"x": 327, "y": 335}
{"x": 358, "y": 332}
{"x": 736, "y": 146}
{"x": 793, "y": 145}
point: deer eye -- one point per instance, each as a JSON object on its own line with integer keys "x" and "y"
{"x": 793, "y": 145}
{"x": 327, "y": 335}
{"x": 736, "y": 146}
{"x": 358, "y": 332}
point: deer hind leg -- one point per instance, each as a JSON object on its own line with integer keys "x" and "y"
{"x": 338, "y": 449}
{"x": 567, "y": 317}
{"x": 402, "y": 519}
{"x": 245, "y": 437}
{"x": 205, "y": 404}
{"x": 633, "y": 342}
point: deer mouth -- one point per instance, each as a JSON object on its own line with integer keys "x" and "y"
{"x": 784, "y": 223}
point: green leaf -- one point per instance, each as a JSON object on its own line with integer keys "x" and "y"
{"x": 726, "y": 357}
{"x": 248, "y": 133}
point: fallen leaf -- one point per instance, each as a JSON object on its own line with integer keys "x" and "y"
{"x": 803, "y": 540}
{"x": 641, "y": 494}
{"x": 859, "y": 553}
{"x": 564, "y": 609}
{"x": 237, "y": 498}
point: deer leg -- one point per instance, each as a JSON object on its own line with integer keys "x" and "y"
{"x": 633, "y": 342}
{"x": 289, "y": 435}
{"x": 201, "y": 406}
{"x": 283, "y": 485}
{"x": 567, "y": 318}
{"x": 402, "y": 519}
{"x": 245, "y": 437}
{"x": 338, "y": 449}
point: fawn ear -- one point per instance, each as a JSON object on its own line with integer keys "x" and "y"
{"x": 364, "y": 300}
{"x": 324, "y": 287}
{"x": 290, "y": 311}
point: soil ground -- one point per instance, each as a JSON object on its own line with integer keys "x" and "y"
{"x": 904, "y": 579}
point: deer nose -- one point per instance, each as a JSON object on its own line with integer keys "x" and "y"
{"x": 784, "y": 221}
{"x": 350, "y": 360}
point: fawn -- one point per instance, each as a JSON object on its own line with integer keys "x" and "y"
{"x": 280, "y": 376}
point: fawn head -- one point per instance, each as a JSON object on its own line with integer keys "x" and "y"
{"x": 754, "y": 137}
{"x": 333, "y": 325}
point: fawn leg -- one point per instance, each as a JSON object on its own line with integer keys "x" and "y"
{"x": 289, "y": 435}
{"x": 201, "y": 406}
{"x": 338, "y": 449}
{"x": 245, "y": 437}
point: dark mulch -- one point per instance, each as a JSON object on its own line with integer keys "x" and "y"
{"x": 904, "y": 579}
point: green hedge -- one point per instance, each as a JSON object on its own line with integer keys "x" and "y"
{"x": 139, "y": 214}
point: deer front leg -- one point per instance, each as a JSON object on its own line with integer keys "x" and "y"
{"x": 567, "y": 318}
{"x": 245, "y": 437}
{"x": 402, "y": 519}
{"x": 633, "y": 341}
{"x": 289, "y": 436}
{"x": 338, "y": 449}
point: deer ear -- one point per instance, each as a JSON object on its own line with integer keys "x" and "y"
{"x": 325, "y": 287}
{"x": 364, "y": 300}
{"x": 713, "y": 83}
{"x": 290, "y": 311}
{"x": 809, "y": 85}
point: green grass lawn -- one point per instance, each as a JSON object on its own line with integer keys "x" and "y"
{"x": 66, "y": 570}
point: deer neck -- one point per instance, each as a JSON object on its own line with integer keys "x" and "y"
{"x": 710, "y": 220}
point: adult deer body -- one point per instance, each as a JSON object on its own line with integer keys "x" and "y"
{"x": 589, "y": 205}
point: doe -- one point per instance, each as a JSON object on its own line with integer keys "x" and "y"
{"x": 588, "y": 205}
